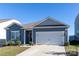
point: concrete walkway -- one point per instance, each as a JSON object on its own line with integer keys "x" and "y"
{"x": 44, "y": 50}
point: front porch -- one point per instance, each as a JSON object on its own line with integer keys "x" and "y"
{"x": 27, "y": 36}
{"x": 17, "y": 32}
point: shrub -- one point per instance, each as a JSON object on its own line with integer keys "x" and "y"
{"x": 31, "y": 43}
{"x": 66, "y": 44}
{"x": 18, "y": 42}
{"x": 11, "y": 42}
{"x": 74, "y": 42}
{"x": 3, "y": 43}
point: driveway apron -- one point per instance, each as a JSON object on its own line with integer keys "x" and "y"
{"x": 44, "y": 50}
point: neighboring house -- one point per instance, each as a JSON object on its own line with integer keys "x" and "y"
{"x": 77, "y": 28}
{"x": 48, "y": 31}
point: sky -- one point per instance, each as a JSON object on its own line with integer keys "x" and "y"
{"x": 30, "y": 12}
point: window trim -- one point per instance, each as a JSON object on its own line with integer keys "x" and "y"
{"x": 15, "y": 32}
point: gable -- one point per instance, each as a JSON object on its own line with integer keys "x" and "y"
{"x": 51, "y": 22}
{"x": 14, "y": 26}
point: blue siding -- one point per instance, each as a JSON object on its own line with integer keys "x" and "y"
{"x": 8, "y": 35}
{"x": 48, "y": 29}
{"x": 15, "y": 27}
{"x": 22, "y": 35}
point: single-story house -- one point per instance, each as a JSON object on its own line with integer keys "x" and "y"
{"x": 48, "y": 31}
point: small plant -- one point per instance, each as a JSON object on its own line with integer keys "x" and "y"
{"x": 11, "y": 42}
{"x": 18, "y": 42}
{"x": 30, "y": 43}
{"x": 71, "y": 50}
{"x": 73, "y": 53}
{"x": 3, "y": 43}
{"x": 66, "y": 44}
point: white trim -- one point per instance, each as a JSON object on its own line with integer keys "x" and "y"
{"x": 15, "y": 31}
{"x": 24, "y": 37}
{"x": 52, "y": 27}
{"x": 32, "y": 37}
{"x": 13, "y": 24}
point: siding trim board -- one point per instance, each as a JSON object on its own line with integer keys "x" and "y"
{"x": 52, "y": 27}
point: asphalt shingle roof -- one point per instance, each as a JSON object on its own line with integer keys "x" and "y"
{"x": 4, "y": 20}
{"x": 53, "y": 21}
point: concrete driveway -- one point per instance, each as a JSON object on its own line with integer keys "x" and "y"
{"x": 44, "y": 50}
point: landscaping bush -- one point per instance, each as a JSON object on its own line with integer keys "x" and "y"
{"x": 66, "y": 44}
{"x": 11, "y": 42}
{"x": 18, "y": 42}
{"x": 74, "y": 42}
{"x": 3, "y": 43}
{"x": 30, "y": 43}
{"x": 73, "y": 53}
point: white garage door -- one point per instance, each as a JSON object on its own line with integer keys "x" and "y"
{"x": 50, "y": 37}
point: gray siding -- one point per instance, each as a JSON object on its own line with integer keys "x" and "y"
{"x": 49, "y": 29}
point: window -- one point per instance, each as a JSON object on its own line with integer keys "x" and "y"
{"x": 15, "y": 35}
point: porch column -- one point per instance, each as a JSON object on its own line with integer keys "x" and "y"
{"x": 32, "y": 37}
{"x": 24, "y": 36}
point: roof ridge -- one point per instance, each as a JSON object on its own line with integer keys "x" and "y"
{"x": 4, "y": 20}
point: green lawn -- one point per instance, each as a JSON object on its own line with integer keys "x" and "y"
{"x": 11, "y": 50}
{"x": 71, "y": 50}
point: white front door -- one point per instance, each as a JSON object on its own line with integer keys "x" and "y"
{"x": 50, "y": 37}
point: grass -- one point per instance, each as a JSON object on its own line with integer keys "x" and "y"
{"x": 11, "y": 50}
{"x": 71, "y": 50}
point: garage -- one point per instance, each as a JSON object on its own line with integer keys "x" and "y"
{"x": 50, "y": 37}
{"x": 48, "y": 32}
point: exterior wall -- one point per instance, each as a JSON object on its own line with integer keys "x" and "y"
{"x": 48, "y": 29}
{"x": 77, "y": 28}
{"x": 3, "y": 25}
{"x": 22, "y": 36}
{"x": 15, "y": 27}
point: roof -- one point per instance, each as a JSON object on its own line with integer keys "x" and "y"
{"x": 36, "y": 24}
{"x": 4, "y": 20}
{"x": 29, "y": 26}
